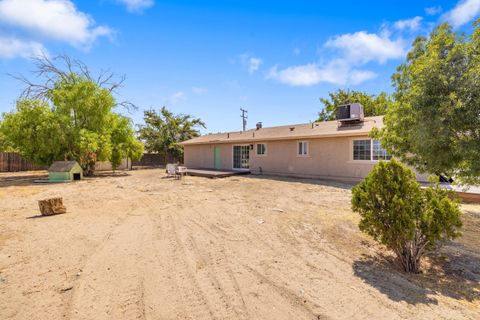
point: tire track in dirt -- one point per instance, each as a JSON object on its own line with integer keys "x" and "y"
{"x": 111, "y": 284}
{"x": 217, "y": 269}
{"x": 189, "y": 301}
{"x": 214, "y": 249}
{"x": 211, "y": 277}
{"x": 305, "y": 268}
{"x": 74, "y": 279}
{"x": 214, "y": 271}
{"x": 182, "y": 296}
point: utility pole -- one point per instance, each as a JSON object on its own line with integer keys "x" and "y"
{"x": 244, "y": 118}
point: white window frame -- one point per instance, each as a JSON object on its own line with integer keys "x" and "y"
{"x": 304, "y": 143}
{"x": 256, "y": 150}
{"x": 386, "y": 152}
{"x": 371, "y": 151}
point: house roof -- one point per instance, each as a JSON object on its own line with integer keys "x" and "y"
{"x": 62, "y": 166}
{"x": 294, "y": 131}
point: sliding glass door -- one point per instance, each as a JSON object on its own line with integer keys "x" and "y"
{"x": 241, "y": 157}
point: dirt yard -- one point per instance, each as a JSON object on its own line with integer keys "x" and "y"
{"x": 140, "y": 246}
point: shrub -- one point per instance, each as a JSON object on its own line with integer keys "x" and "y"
{"x": 396, "y": 212}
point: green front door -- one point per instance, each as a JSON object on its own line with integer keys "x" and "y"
{"x": 216, "y": 157}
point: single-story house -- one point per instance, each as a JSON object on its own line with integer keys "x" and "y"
{"x": 327, "y": 149}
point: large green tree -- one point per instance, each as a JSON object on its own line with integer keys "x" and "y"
{"x": 5, "y": 146}
{"x": 123, "y": 140}
{"x": 70, "y": 116}
{"x": 435, "y": 122}
{"x": 373, "y": 105}
{"x": 163, "y": 132}
{"x": 34, "y": 129}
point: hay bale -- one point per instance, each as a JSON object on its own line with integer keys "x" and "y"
{"x": 51, "y": 206}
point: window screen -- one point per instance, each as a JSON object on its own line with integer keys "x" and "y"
{"x": 261, "y": 149}
{"x": 361, "y": 150}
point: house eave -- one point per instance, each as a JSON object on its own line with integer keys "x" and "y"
{"x": 299, "y": 137}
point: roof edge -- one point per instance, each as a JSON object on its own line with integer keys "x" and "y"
{"x": 321, "y": 136}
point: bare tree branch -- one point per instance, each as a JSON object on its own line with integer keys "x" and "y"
{"x": 62, "y": 68}
{"x": 129, "y": 106}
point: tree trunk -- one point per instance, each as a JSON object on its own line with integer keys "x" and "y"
{"x": 90, "y": 170}
{"x": 411, "y": 252}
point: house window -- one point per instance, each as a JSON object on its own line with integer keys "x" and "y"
{"x": 378, "y": 152}
{"x": 302, "y": 148}
{"x": 362, "y": 150}
{"x": 369, "y": 150}
{"x": 261, "y": 149}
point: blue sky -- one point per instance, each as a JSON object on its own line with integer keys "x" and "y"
{"x": 209, "y": 58}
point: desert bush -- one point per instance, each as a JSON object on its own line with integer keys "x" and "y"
{"x": 399, "y": 214}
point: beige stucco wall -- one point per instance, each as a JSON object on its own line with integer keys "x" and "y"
{"x": 201, "y": 156}
{"x": 327, "y": 158}
{"x": 330, "y": 158}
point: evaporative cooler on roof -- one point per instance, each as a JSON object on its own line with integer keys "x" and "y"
{"x": 350, "y": 113}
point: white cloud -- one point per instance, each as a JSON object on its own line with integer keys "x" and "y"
{"x": 411, "y": 24}
{"x": 359, "y": 76}
{"x": 198, "y": 90}
{"x": 252, "y": 63}
{"x": 432, "y": 11}
{"x": 137, "y": 5}
{"x": 55, "y": 19}
{"x": 464, "y": 12}
{"x": 352, "y": 52}
{"x": 12, "y": 48}
{"x": 177, "y": 97}
{"x": 364, "y": 47}
{"x": 336, "y": 71}
{"x": 303, "y": 75}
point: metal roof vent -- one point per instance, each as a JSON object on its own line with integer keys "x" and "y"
{"x": 259, "y": 125}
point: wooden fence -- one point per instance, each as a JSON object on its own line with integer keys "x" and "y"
{"x": 12, "y": 161}
{"x": 153, "y": 160}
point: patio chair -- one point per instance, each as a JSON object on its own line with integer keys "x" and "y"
{"x": 171, "y": 170}
{"x": 181, "y": 171}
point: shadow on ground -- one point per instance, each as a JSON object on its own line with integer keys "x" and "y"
{"x": 452, "y": 272}
{"x": 111, "y": 174}
{"x": 16, "y": 179}
{"x": 40, "y": 216}
{"x": 21, "y": 179}
{"x": 321, "y": 182}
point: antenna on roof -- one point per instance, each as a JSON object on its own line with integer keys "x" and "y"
{"x": 244, "y": 118}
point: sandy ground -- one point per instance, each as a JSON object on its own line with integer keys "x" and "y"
{"x": 141, "y": 246}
